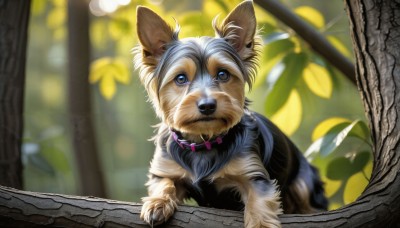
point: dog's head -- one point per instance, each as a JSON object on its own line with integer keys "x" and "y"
{"x": 197, "y": 85}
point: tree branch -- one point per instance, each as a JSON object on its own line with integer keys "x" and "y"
{"x": 314, "y": 38}
{"x": 22, "y": 208}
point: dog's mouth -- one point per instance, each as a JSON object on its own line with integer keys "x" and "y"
{"x": 206, "y": 119}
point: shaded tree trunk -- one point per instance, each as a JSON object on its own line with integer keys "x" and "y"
{"x": 14, "y": 18}
{"x": 375, "y": 28}
{"x": 90, "y": 176}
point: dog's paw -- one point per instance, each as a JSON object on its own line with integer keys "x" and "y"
{"x": 157, "y": 210}
{"x": 265, "y": 223}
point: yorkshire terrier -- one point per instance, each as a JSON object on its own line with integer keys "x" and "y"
{"x": 209, "y": 145}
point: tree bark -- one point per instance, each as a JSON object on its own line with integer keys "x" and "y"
{"x": 90, "y": 176}
{"x": 375, "y": 28}
{"x": 14, "y": 18}
{"x": 27, "y": 209}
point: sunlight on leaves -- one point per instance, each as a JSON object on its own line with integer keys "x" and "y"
{"x": 311, "y": 15}
{"x": 282, "y": 84}
{"x": 107, "y": 72}
{"x": 322, "y": 128}
{"x": 331, "y": 186}
{"x": 318, "y": 80}
{"x": 288, "y": 117}
{"x": 356, "y": 183}
{"x": 334, "y": 138}
{"x": 272, "y": 54}
{"x": 56, "y": 17}
{"x": 340, "y": 46}
{"x": 354, "y": 187}
{"x": 38, "y": 7}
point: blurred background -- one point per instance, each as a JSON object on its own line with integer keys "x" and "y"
{"x": 312, "y": 102}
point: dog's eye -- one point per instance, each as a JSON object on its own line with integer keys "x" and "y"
{"x": 181, "y": 79}
{"x": 223, "y": 75}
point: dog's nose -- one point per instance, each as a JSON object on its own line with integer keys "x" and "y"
{"x": 207, "y": 106}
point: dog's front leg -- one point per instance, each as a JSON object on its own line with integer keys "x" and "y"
{"x": 262, "y": 204}
{"x": 162, "y": 201}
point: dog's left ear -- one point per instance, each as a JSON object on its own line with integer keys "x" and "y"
{"x": 239, "y": 28}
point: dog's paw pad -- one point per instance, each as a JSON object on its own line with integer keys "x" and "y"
{"x": 156, "y": 211}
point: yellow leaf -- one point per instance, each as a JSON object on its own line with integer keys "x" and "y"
{"x": 121, "y": 72}
{"x": 334, "y": 206}
{"x": 318, "y": 80}
{"x": 323, "y": 127}
{"x": 354, "y": 187}
{"x": 98, "y": 68}
{"x": 288, "y": 117}
{"x": 56, "y": 17}
{"x": 38, "y": 7}
{"x": 339, "y": 46}
{"x": 331, "y": 186}
{"x": 59, "y": 3}
{"x": 311, "y": 15}
{"x": 107, "y": 87}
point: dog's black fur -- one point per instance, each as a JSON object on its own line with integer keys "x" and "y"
{"x": 253, "y": 134}
{"x": 256, "y": 168}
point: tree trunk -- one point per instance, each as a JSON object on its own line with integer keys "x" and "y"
{"x": 376, "y": 36}
{"x": 14, "y": 18}
{"x": 91, "y": 181}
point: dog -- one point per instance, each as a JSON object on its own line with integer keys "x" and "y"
{"x": 209, "y": 146}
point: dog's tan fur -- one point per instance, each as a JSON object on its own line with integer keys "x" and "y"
{"x": 177, "y": 106}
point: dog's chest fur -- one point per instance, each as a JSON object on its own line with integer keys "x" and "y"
{"x": 205, "y": 185}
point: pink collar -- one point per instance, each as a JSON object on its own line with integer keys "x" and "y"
{"x": 195, "y": 146}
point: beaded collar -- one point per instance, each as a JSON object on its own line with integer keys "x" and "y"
{"x": 185, "y": 144}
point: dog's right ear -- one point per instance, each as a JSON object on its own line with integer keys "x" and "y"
{"x": 153, "y": 32}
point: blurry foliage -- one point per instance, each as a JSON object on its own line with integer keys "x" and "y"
{"x": 299, "y": 87}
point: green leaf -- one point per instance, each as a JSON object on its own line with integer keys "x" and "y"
{"x": 277, "y": 44}
{"x": 283, "y": 83}
{"x": 343, "y": 168}
{"x": 311, "y": 15}
{"x": 273, "y": 53}
{"x": 339, "y": 169}
{"x": 323, "y": 127}
{"x": 56, "y": 158}
{"x": 361, "y": 160}
{"x": 334, "y": 138}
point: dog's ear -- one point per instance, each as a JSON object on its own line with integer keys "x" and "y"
{"x": 153, "y": 32}
{"x": 239, "y": 28}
